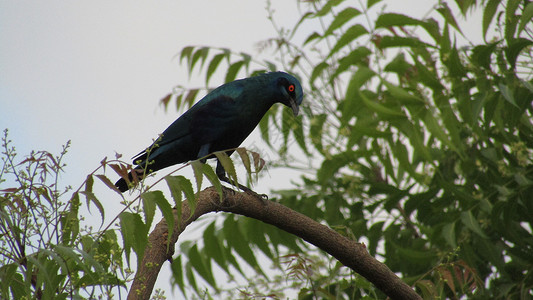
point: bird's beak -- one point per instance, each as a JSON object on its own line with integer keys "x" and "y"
{"x": 294, "y": 106}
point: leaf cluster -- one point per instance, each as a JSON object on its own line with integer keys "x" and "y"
{"x": 418, "y": 140}
{"x": 45, "y": 250}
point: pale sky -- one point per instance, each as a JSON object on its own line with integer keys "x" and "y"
{"x": 93, "y": 71}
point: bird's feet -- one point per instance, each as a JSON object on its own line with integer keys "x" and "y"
{"x": 262, "y": 197}
{"x": 245, "y": 189}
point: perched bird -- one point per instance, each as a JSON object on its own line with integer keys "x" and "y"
{"x": 219, "y": 121}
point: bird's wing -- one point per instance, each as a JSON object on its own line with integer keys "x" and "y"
{"x": 204, "y": 121}
{"x": 213, "y": 121}
{"x": 207, "y": 116}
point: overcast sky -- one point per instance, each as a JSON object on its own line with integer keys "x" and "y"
{"x": 94, "y": 71}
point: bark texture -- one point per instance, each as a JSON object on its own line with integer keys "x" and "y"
{"x": 350, "y": 253}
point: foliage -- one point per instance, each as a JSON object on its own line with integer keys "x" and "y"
{"x": 419, "y": 142}
{"x": 45, "y": 250}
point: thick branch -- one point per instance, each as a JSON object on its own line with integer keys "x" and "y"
{"x": 349, "y": 253}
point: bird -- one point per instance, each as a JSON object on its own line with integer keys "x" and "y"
{"x": 220, "y": 121}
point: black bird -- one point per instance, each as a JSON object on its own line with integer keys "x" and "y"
{"x": 219, "y": 121}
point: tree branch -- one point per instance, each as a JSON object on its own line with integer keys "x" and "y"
{"x": 348, "y": 252}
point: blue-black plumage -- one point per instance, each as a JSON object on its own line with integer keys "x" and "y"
{"x": 219, "y": 121}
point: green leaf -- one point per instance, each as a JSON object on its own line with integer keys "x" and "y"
{"x": 200, "y": 54}
{"x": 46, "y": 275}
{"x": 402, "y": 95}
{"x": 507, "y": 94}
{"x": 327, "y": 7}
{"x": 10, "y": 280}
{"x": 157, "y": 198}
{"x": 228, "y": 165}
{"x": 134, "y": 234}
{"x": 246, "y": 58}
{"x": 454, "y": 64}
{"x": 429, "y": 291}
{"x": 349, "y": 36}
{"x": 413, "y": 256}
{"x": 448, "y": 232}
{"x": 464, "y": 5}
{"x": 316, "y": 131}
{"x": 527, "y": 85}
{"x": 91, "y": 197}
{"x": 447, "y": 14}
{"x": 432, "y": 28}
{"x": 375, "y": 234}
{"x": 402, "y": 155}
{"x": 358, "y": 79}
{"x": 182, "y": 184}
{"x": 149, "y": 206}
{"x": 287, "y": 119}
{"x": 177, "y": 274}
{"x": 311, "y": 37}
{"x": 399, "y": 65}
{"x": 382, "y": 109}
{"x": 445, "y": 42}
{"x": 255, "y": 233}
{"x": 233, "y": 70}
{"x": 243, "y": 153}
{"x": 344, "y": 16}
{"x": 264, "y": 128}
{"x": 213, "y": 178}
{"x": 488, "y": 15}
{"x": 200, "y": 265}
{"x": 388, "y": 41}
{"x": 515, "y": 47}
{"x": 526, "y": 17}
{"x": 437, "y": 130}
{"x": 370, "y": 3}
{"x": 317, "y": 71}
{"x": 186, "y": 53}
{"x": 393, "y": 19}
{"x": 198, "y": 173}
{"x": 428, "y": 77}
{"x": 89, "y": 183}
{"x": 298, "y": 132}
{"x": 213, "y": 247}
{"x": 331, "y": 165}
{"x": 175, "y": 192}
{"x": 270, "y": 66}
{"x": 235, "y": 238}
{"x": 481, "y": 55}
{"x": 89, "y": 262}
{"x": 70, "y": 223}
{"x": 191, "y": 95}
{"x": 190, "y": 277}
{"x": 522, "y": 180}
{"x": 510, "y": 19}
{"x": 68, "y": 255}
{"x": 468, "y": 219}
{"x": 304, "y": 17}
{"x": 213, "y": 66}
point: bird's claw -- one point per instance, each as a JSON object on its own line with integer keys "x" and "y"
{"x": 262, "y": 197}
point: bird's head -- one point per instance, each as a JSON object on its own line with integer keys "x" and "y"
{"x": 291, "y": 91}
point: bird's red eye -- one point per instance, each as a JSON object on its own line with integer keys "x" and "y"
{"x": 291, "y": 88}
